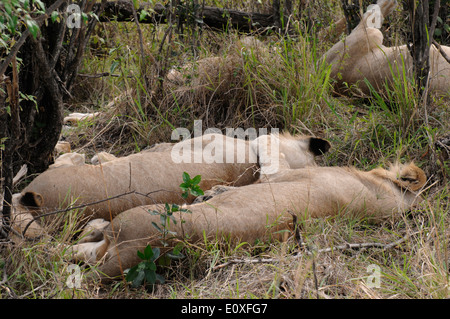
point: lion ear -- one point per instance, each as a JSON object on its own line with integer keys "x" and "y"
{"x": 32, "y": 199}
{"x": 318, "y": 146}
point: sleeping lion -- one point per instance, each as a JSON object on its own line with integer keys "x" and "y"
{"x": 362, "y": 55}
{"x": 258, "y": 211}
{"x": 152, "y": 177}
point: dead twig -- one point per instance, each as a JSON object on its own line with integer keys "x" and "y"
{"x": 20, "y": 174}
{"x": 103, "y": 74}
{"x": 319, "y": 251}
{"x": 365, "y": 245}
{"x": 246, "y": 261}
{"x": 442, "y": 52}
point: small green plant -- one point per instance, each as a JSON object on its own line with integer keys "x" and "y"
{"x": 190, "y": 186}
{"x": 166, "y": 217}
{"x": 145, "y": 272}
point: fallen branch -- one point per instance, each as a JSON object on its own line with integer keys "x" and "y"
{"x": 442, "y": 52}
{"x": 103, "y": 74}
{"x": 215, "y": 18}
{"x": 382, "y": 246}
{"x": 365, "y": 245}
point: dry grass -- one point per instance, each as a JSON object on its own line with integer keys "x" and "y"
{"x": 281, "y": 86}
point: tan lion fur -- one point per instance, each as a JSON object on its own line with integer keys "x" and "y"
{"x": 102, "y": 157}
{"x": 153, "y": 177}
{"x": 75, "y": 118}
{"x": 68, "y": 159}
{"x": 257, "y": 211}
{"x": 62, "y": 147}
{"x": 24, "y": 204}
{"x": 362, "y": 55}
{"x": 24, "y": 208}
{"x": 212, "y": 73}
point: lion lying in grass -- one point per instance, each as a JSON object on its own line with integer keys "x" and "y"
{"x": 362, "y": 55}
{"x": 259, "y": 210}
{"x": 219, "y": 88}
{"x": 152, "y": 177}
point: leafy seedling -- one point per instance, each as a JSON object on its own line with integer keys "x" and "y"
{"x": 190, "y": 186}
{"x": 145, "y": 272}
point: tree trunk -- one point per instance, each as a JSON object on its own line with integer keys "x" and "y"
{"x": 50, "y": 65}
{"x": 30, "y": 131}
{"x": 420, "y": 37}
{"x": 10, "y": 133}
